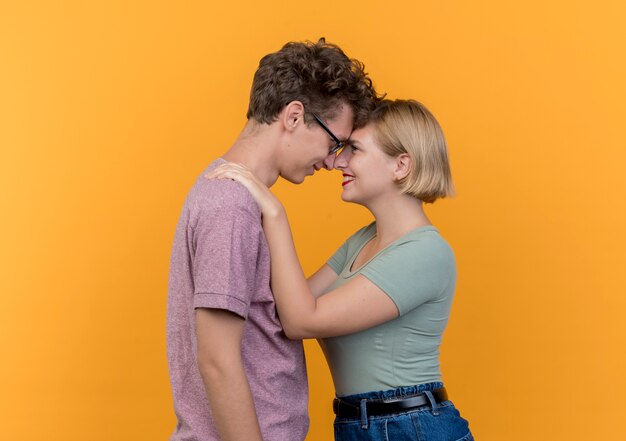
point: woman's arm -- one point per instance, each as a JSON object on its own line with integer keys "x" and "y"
{"x": 353, "y": 307}
{"x": 321, "y": 280}
{"x": 357, "y": 305}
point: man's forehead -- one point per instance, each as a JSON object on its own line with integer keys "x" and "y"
{"x": 342, "y": 123}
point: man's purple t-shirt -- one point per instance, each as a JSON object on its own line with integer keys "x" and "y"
{"x": 220, "y": 259}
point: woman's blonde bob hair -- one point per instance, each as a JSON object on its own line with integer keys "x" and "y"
{"x": 406, "y": 126}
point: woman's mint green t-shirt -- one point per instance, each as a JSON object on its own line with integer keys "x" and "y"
{"x": 418, "y": 272}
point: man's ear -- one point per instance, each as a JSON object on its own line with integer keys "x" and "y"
{"x": 292, "y": 115}
{"x": 403, "y": 166}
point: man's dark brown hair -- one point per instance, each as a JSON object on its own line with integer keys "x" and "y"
{"x": 319, "y": 75}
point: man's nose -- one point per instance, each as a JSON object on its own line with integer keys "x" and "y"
{"x": 329, "y": 161}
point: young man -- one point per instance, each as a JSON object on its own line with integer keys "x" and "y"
{"x": 235, "y": 376}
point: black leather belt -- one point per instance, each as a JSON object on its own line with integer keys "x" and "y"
{"x": 345, "y": 409}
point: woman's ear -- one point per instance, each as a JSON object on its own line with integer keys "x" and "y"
{"x": 403, "y": 166}
{"x": 292, "y": 114}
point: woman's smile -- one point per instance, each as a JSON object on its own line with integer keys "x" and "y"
{"x": 347, "y": 178}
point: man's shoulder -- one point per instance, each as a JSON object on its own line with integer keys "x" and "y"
{"x": 221, "y": 195}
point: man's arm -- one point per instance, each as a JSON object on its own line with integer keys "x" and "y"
{"x": 219, "y": 333}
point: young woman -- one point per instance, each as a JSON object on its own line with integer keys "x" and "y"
{"x": 381, "y": 303}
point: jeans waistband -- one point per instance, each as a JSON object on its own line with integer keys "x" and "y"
{"x": 390, "y": 394}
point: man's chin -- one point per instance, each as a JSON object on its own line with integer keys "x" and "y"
{"x": 300, "y": 178}
{"x": 294, "y": 179}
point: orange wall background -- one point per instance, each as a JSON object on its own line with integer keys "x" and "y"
{"x": 109, "y": 110}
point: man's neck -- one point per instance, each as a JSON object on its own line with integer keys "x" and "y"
{"x": 255, "y": 148}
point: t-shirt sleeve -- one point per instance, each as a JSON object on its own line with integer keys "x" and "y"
{"x": 225, "y": 247}
{"x": 413, "y": 273}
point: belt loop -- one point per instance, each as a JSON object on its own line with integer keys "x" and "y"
{"x": 363, "y": 412}
{"x": 433, "y": 403}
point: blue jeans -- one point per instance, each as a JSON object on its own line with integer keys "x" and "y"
{"x": 441, "y": 422}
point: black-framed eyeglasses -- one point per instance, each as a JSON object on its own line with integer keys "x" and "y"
{"x": 338, "y": 144}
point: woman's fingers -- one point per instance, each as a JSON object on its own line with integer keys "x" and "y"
{"x": 241, "y": 174}
{"x": 229, "y": 170}
{"x": 237, "y": 172}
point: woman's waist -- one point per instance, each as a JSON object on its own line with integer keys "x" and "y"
{"x": 352, "y": 377}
